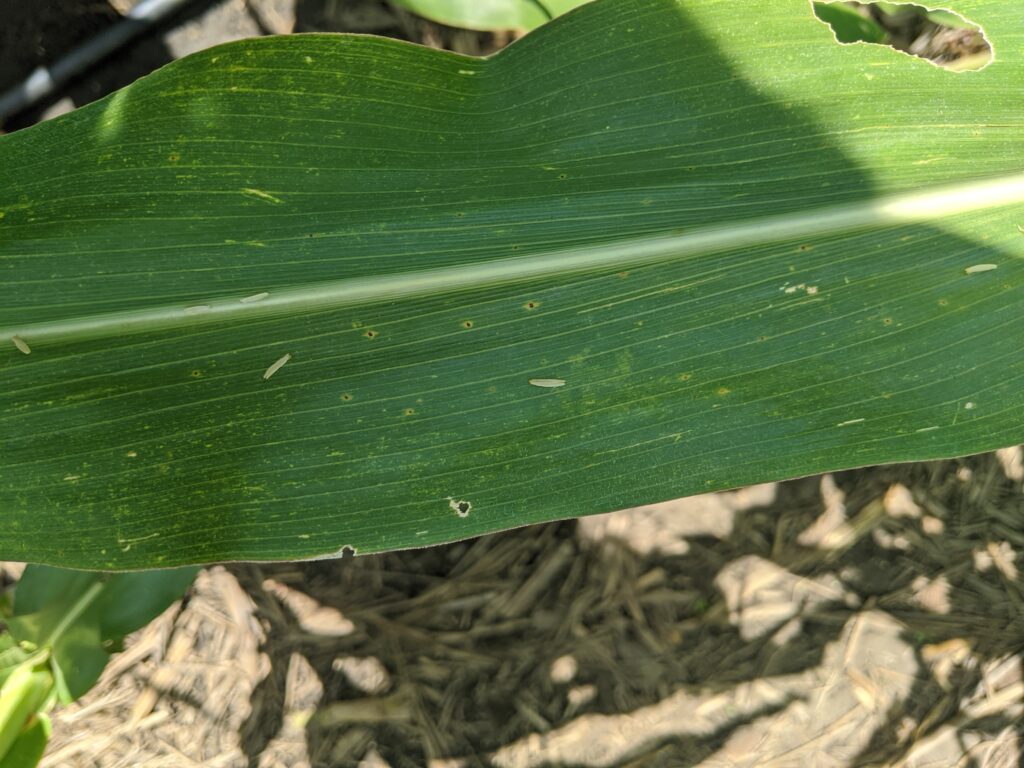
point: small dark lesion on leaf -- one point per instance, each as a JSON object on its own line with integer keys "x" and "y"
{"x": 371, "y": 334}
{"x": 460, "y": 507}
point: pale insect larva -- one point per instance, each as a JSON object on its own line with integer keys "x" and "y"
{"x": 21, "y": 345}
{"x": 548, "y": 383}
{"x": 277, "y": 366}
{"x": 254, "y": 298}
{"x": 980, "y": 268}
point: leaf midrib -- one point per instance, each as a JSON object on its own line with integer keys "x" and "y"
{"x": 932, "y": 204}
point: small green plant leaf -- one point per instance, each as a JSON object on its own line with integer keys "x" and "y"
{"x": 80, "y": 617}
{"x": 490, "y": 14}
{"x": 849, "y": 25}
{"x": 30, "y": 744}
{"x": 23, "y": 693}
{"x": 11, "y": 655}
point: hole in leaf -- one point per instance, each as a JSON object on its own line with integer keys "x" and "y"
{"x": 943, "y": 37}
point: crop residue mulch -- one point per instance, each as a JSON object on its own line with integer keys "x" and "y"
{"x": 874, "y": 617}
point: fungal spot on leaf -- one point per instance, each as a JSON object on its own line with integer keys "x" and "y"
{"x": 409, "y": 412}
{"x": 467, "y": 324}
{"x": 531, "y": 304}
{"x": 460, "y": 507}
{"x": 887, "y": 321}
{"x": 941, "y": 37}
{"x": 346, "y": 397}
{"x": 723, "y": 391}
{"x": 197, "y": 374}
{"x": 371, "y": 334}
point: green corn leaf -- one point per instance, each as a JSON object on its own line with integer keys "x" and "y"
{"x": 287, "y": 296}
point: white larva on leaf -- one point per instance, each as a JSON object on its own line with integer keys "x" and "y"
{"x": 254, "y": 298}
{"x": 21, "y": 345}
{"x": 548, "y": 383}
{"x": 277, "y": 366}
{"x": 980, "y": 268}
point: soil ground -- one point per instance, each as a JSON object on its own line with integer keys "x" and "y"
{"x": 873, "y": 617}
